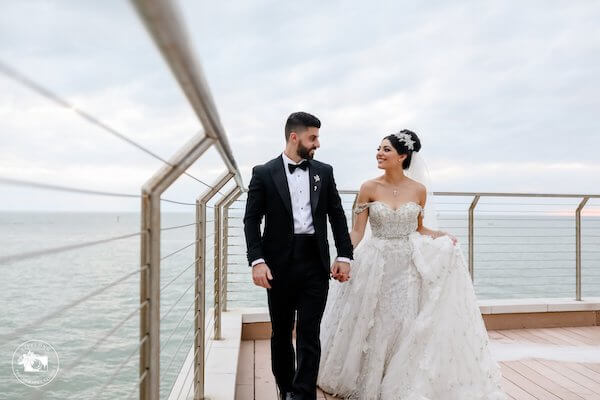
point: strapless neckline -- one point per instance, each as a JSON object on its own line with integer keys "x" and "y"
{"x": 397, "y": 208}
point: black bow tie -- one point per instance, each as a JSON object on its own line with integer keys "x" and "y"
{"x": 303, "y": 166}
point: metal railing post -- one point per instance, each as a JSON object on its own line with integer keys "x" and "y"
{"x": 199, "y": 294}
{"x": 578, "y": 248}
{"x": 200, "y": 320}
{"x": 352, "y": 211}
{"x": 150, "y": 257}
{"x": 218, "y": 275}
{"x": 472, "y": 236}
{"x": 148, "y": 279}
{"x": 234, "y": 196}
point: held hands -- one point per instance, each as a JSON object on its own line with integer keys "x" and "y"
{"x": 340, "y": 271}
{"x": 261, "y": 275}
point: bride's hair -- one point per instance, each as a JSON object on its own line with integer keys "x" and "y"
{"x": 402, "y": 147}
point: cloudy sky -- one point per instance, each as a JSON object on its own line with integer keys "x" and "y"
{"x": 504, "y": 94}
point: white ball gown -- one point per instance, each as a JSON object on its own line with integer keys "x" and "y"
{"x": 407, "y": 325}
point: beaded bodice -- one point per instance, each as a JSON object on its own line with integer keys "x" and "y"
{"x": 390, "y": 223}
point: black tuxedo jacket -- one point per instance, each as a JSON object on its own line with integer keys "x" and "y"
{"x": 269, "y": 196}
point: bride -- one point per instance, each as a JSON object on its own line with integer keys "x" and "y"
{"x": 407, "y": 325}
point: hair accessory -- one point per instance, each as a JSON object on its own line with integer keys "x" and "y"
{"x": 406, "y": 139}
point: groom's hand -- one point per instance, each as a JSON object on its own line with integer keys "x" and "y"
{"x": 261, "y": 275}
{"x": 340, "y": 271}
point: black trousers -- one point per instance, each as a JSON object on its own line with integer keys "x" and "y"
{"x": 301, "y": 286}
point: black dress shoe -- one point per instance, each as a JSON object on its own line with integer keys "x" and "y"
{"x": 286, "y": 395}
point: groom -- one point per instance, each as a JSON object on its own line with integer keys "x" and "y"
{"x": 290, "y": 259}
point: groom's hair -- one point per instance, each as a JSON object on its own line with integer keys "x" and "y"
{"x": 299, "y": 122}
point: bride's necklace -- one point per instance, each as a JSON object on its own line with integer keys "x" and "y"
{"x": 395, "y": 190}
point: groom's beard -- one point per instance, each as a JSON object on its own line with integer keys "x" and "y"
{"x": 304, "y": 152}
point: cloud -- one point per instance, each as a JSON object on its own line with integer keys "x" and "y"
{"x": 527, "y": 177}
{"x": 503, "y": 95}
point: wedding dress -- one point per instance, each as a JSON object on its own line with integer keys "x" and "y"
{"x": 406, "y": 326}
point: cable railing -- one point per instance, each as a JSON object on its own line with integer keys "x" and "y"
{"x": 166, "y": 29}
{"x": 517, "y": 245}
{"x": 194, "y": 322}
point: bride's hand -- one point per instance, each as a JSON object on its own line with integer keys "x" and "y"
{"x": 436, "y": 234}
{"x": 451, "y": 237}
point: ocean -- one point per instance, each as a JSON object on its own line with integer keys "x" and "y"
{"x": 518, "y": 255}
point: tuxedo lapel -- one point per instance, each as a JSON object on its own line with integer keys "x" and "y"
{"x": 281, "y": 183}
{"x": 314, "y": 185}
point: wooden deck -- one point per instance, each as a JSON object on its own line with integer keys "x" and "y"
{"x": 525, "y": 379}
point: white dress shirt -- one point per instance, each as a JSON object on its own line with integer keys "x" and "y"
{"x": 299, "y": 185}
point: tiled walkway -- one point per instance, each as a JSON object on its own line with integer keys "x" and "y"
{"x": 525, "y": 379}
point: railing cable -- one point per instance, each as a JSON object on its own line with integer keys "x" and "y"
{"x": 120, "y": 367}
{"x": 50, "y": 95}
{"x": 178, "y": 275}
{"x": 38, "y": 322}
{"x": 178, "y": 250}
{"x": 60, "y": 249}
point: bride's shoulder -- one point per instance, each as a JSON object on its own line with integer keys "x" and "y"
{"x": 369, "y": 183}
{"x": 368, "y": 186}
{"x": 418, "y": 186}
{"x": 365, "y": 194}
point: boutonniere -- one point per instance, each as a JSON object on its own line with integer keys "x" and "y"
{"x": 315, "y": 188}
{"x": 317, "y": 178}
